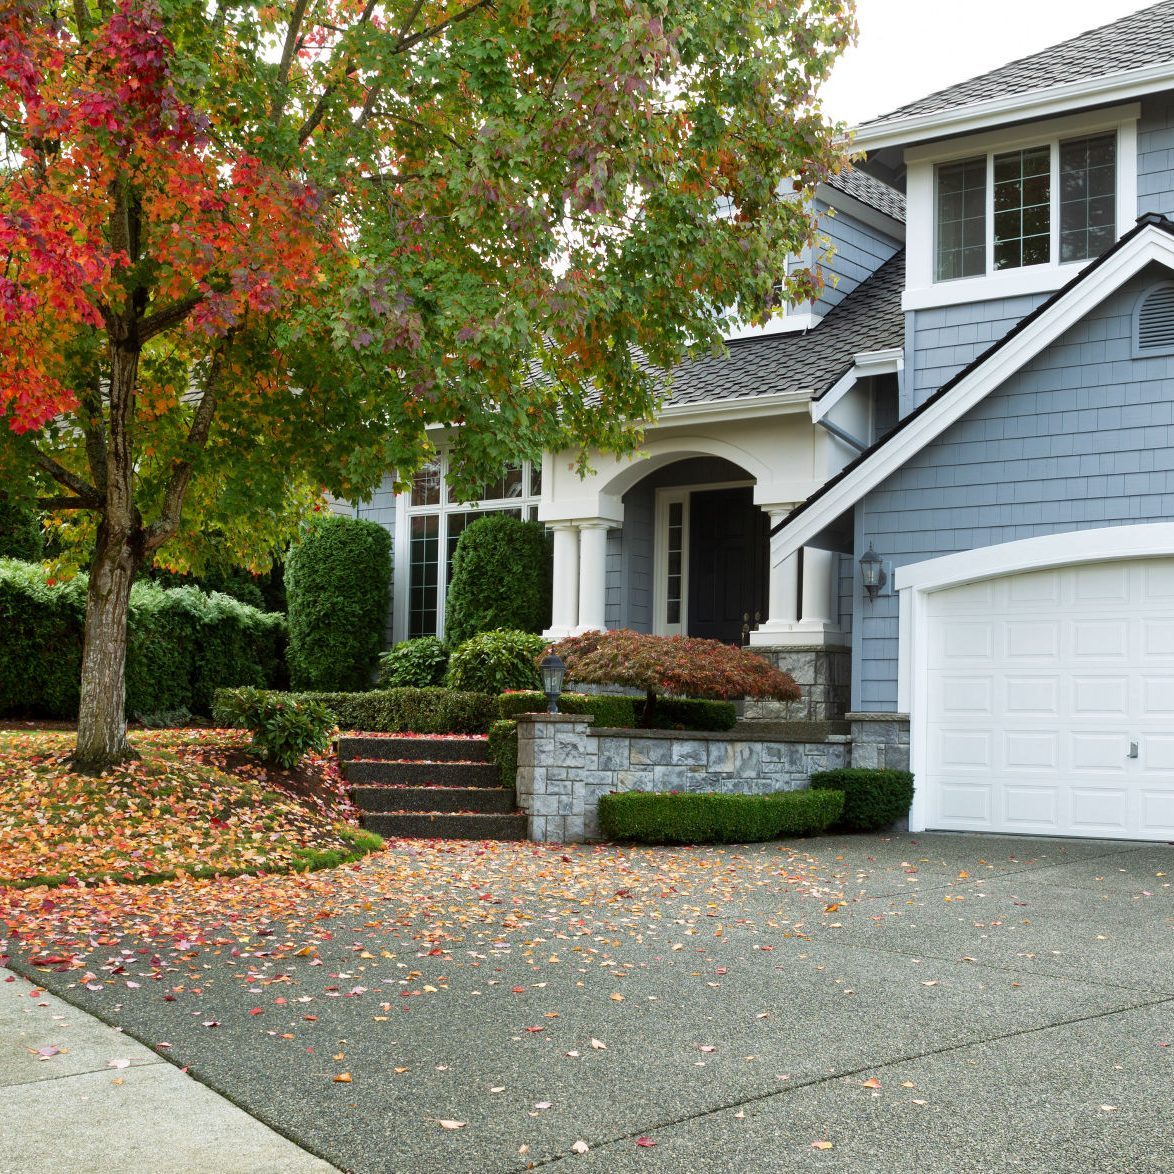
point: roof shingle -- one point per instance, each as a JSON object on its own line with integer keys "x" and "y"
{"x": 869, "y": 190}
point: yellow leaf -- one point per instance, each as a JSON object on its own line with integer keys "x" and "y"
{"x": 821, "y": 1145}
{"x": 343, "y": 1078}
{"x": 617, "y": 998}
{"x": 872, "y": 1082}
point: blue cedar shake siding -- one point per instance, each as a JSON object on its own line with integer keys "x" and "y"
{"x": 856, "y": 252}
{"x": 1155, "y": 155}
{"x": 381, "y": 509}
{"x": 1082, "y": 437}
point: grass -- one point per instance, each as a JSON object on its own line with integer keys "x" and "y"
{"x": 194, "y": 804}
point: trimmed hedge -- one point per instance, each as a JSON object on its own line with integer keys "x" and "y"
{"x": 393, "y": 711}
{"x": 182, "y": 645}
{"x": 607, "y": 710}
{"x": 20, "y": 531}
{"x": 873, "y": 799}
{"x": 496, "y": 661}
{"x": 501, "y": 578}
{"x": 414, "y": 664}
{"x": 503, "y": 750}
{"x": 690, "y": 713}
{"x": 337, "y": 581}
{"x": 671, "y": 817}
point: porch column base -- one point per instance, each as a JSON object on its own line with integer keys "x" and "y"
{"x": 802, "y": 634}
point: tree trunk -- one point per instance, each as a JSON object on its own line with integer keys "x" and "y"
{"x": 101, "y": 728}
{"x": 118, "y": 555}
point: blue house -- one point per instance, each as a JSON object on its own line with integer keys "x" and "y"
{"x": 943, "y": 494}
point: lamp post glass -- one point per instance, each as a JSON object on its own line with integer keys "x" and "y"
{"x": 872, "y": 570}
{"x": 553, "y": 671}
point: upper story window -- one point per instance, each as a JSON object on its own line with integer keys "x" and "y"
{"x": 1014, "y": 209}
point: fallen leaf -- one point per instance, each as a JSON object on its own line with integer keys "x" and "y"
{"x": 871, "y": 1082}
{"x": 645, "y": 1143}
{"x": 580, "y": 1147}
{"x": 599, "y": 1045}
{"x": 117, "y": 1063}
{"x": 821, "y": 1145}
{"x": 452, "y": 1124}
{"x": 343, "y": 1078}
{"x": 616, "y": 997}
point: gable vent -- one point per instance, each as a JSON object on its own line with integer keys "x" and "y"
{"x": 1155, "y": 321}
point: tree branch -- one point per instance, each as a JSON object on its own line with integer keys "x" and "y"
{"x": 319, "y": 111}
{"x": 168, "y": 317}
{"x": 428, "y": 33}
{"x": 90, "y": 402}
{"x": 165, "y": 526}
{"x": 72, "y": 481}
{"x": 53, "y": 504}
{"x": 287, "y": 55}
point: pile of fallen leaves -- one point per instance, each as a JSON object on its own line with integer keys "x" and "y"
{"x": 194, "y": 803}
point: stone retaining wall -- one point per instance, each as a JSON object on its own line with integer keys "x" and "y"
{"x": 564, "y": 767}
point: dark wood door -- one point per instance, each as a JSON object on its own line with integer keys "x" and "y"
{"x": 728, "y": 543}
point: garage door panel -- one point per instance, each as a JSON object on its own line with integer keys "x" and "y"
{"x": 1100, "y": 810}
{"x": 1032, "y": 707}
{"x": 1030, "y": 808}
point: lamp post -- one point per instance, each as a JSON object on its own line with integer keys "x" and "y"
{"x": 553, "y": 671}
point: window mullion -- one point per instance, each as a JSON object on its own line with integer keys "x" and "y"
{"x": 990, "y": 212}
{"x": 1054, "y": 197}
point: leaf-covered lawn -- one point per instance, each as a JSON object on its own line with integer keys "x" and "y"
{"x": 194, "y": 803}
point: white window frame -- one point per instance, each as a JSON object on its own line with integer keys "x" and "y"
{"x": 922, "y": 291}
{"x": 402, "y": 567}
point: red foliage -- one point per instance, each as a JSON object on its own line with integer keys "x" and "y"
{"x": 683, "y": 665}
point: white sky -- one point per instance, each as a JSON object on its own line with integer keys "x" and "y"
{"x": 909, "y": 48}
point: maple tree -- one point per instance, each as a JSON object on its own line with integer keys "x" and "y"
{"x": 250, "y": 251}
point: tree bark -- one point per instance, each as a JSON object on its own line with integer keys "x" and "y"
{"x": 118, "y": 555}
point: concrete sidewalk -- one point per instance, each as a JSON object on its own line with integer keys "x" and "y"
{"x": 79, "y": 1095}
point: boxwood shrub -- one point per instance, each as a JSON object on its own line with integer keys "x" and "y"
{"x": 671, "y": 817}
{"x": 503, "y": 750}
{"x": 607, "y": 710}
{"x": 873, "y": 799}
{"x": 182, "y": 645}
{"x": 393, "y": 711}
{"x": 337, "y": 582}
{"x": 495, "y": 661}
{"x": 501, "y": 578}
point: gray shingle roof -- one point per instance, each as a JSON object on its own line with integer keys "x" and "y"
{"x": 1133, "y": 42}
{"x": 870, "y": 191}
{"x": 868, "y": 319}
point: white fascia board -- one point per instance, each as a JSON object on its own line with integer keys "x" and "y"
{"x": 747, "y": 408}
{"x": 1150, "y": 245}
{"x": 1113, "y": 87}
{"x": 864, "y": 213}
{"x": 866, "y": 364}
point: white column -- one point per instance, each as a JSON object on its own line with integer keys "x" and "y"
{"x": 565, "y": 602}
{"x": 782, "y": 615}
{"x": 820, "y": 608}
{"x": 592, "y": 576}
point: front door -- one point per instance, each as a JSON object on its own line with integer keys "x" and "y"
{"x": 728, "y": 543}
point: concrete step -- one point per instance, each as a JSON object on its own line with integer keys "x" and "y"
{"x": 483, "y": 800}
{"x": 421, "y": 774}
{"x": 411, "y": 825}
{"x": 391, "y": 748}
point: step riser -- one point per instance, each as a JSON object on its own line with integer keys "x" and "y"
{"x": 483, "y": 800}
{"x": 419, "y": 774}
{"x": 449, "y": 827}
{"x": 421, "y": 749}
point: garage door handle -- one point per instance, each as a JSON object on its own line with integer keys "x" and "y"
{"x": 1132, "y": 750}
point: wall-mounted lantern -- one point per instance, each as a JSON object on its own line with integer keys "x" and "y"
{"x": 872, "y": 571}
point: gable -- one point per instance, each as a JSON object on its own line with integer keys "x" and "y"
{"x": 1151, "y": 244}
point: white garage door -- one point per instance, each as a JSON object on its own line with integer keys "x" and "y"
{"x": 1050, "y": 707}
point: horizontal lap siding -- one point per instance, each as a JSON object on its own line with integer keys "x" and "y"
{"x": 1082, "y": 437}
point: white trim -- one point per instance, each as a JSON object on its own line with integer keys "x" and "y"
{"x": 866, "y": 364}
{"x": 1150, "y": 245}
{"x": 924, "y": 291}
{"x": 660, "y": 572}
{"x": 746, "y": 408}
{"x": 785, "y": 322}
{"x": 918, "y": 581}
{"x": 1114, "y": 87}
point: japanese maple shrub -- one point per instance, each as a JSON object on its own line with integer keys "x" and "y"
{"x": 679, "y": 665}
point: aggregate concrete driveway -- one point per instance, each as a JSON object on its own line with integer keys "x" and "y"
{"x": 925, "y": 1003}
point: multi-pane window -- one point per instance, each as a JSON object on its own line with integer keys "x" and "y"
{"x": 1088, "y": 196}
{"x": 436, "y": 519}
{"x": 1022, "y": 205}
{"x": 675, "y": 569}
{"x": 1014, "y": 209}
{"x": 961, "y": 219}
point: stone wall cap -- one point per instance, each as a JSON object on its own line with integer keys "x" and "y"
{"x": 557, "y": 718}
{"x": 866, "y": 716}
{"x": 805, "y": 731}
